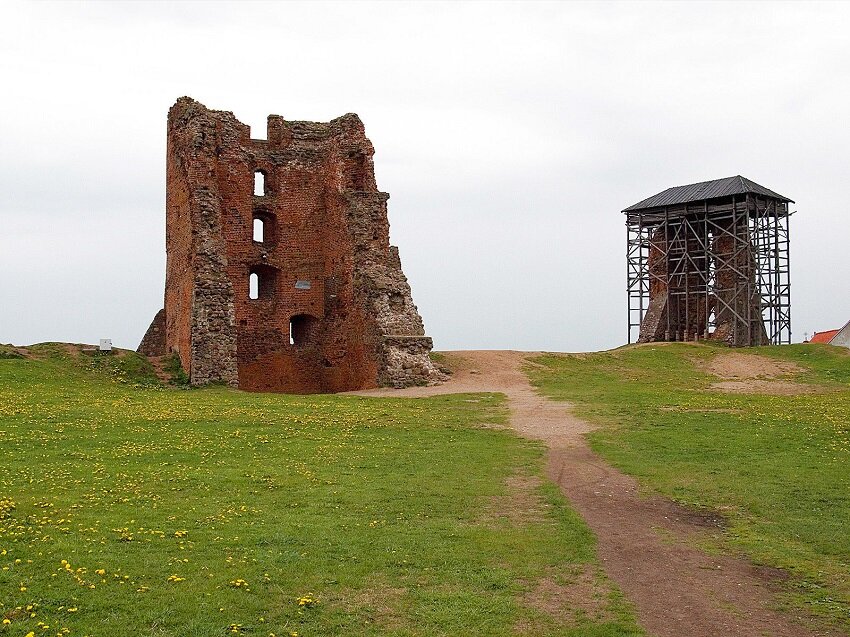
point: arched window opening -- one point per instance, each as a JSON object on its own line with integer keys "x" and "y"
{"x": 259, "y": 230}
{"x": 259, "y": 183}
{"x": 302, "y": 328}
{"x": 264, "y": 227}
{"x": 262, "y": 282}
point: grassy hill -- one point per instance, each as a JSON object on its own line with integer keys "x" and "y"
{"x": 132, "y": 508}
{"x": 773, "y": 458}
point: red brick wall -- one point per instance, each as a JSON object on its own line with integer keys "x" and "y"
{"x": 307, "y": 240}
{"x": 326, "y": 257}
{"x": 179, "y": 273}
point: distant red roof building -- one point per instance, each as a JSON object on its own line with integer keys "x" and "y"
{"x": 840, "y": 337}
{"x": 823, "y": 337}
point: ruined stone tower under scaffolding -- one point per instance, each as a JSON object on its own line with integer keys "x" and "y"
{"x": 710, "y": 261}
{"x": 280, "y": 275}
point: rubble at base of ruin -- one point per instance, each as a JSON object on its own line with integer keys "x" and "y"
{"x": 280, "y": 275}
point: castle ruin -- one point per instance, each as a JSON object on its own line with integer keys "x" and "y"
{"x": 280, "y": 275}
{"x": 710, "y": 260}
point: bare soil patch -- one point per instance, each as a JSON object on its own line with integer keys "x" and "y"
{"x": 735, "y": 365}
{"x": 707, "y": 410}
{"x": 13, "y": 351}
{"x": 754, "y": 374}
{"x": 769, "y": 387}
{"x": 378, "y": 602}
{"x": 568, "y": 596}
{"x": 521, "y": 503}
{"x": 646, "y": 545}
{"x": 159, "y": 363}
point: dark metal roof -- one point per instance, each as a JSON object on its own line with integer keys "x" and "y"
{"x": 716, "y": 189}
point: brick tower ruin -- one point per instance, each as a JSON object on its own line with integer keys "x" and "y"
{"x": 280, "y": 275}
{"x": 710, "y": 260}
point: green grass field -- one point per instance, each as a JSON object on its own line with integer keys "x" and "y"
{"x": 132, "y": 509}
{"x": 776, "y": 467}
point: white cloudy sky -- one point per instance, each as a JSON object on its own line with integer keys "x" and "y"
{"x": 510, "y": 137}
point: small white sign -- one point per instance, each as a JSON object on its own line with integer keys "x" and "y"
{"x": 106, "y": 345}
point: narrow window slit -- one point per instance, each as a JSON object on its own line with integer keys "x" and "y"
{"x": 262, "y": 282}
{"x": 259, "y": 183}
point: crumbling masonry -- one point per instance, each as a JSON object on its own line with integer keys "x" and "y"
{"x": 280, "y": 275}
{"x": 710, "y": 260}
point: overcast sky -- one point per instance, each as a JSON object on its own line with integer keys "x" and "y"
{"x": 509, "y": 136}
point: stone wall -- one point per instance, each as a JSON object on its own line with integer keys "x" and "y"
{"x": 680, "y": 311}
{"x": 153, "y": 343}
{"x": 669, "y": 316}
{"x": 736, "y": 304}
{"x": 334, "y": 310}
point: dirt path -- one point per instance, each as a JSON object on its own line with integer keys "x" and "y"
{"x": 645, "y": 544}
{"x": 159, "y": 363}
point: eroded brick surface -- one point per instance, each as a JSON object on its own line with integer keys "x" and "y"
{"x": 334, "y": 310}
{"x": 680, "y": 312}
{"x": 153, "y": 344}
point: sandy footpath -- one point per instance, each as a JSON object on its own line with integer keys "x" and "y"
{"x": 646, "y": 544}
